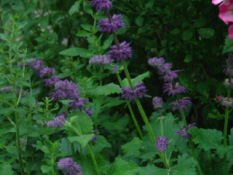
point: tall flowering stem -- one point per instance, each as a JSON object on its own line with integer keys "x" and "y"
{"x": 191, "y": 144}
{"x": 225, "y": 130}
{"x": 131, "y": 110}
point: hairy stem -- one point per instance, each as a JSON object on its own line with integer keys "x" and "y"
{"x": 93, "y": 159}
{"x": 131, "y": 110}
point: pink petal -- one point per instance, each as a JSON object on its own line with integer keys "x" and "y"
{"x": 230, "y": 31}
{"x": 226, "y": 12}
{"x": 215, "y": 2}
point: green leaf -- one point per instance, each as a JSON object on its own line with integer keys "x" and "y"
{"x": 75, "y": 8}
{"x": 82, "y": 140}
{"x": 76, "y": 51}
{"x": 132, "y": 148}
{"x": 106, "y": 89}
{"x": 136, "y": 79}
{"x": 153, "y": 170}
{"x": 207, "y": 139}
{"x": 185, "y": 166}
{"x": 83, "y": 33}
{"x": 6, "y": 169}
{"x": 87, "y": 8}
{"x": 231, "y": 137}
{"x": 121, "y": 167}
{"x": 46, "y": 168}
{"x": 187, "y": 35}
{"x": 228, "y": 46}
{"x": 101, "y": 144}
{"x": 139, "y": 21}
{"x": 108, "y": 42}
{"x": 188, "y": 58}
{"x": 206, "y": 32}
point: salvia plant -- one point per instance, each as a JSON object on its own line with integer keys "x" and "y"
{"x": 74, "y": 104}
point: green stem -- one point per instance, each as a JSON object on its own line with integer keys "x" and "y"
{"x": 161, "y": 125}
{"x": 93, "y": 159}
{"x": 131, "y": 110}
{"x": 225, "y": 131}
{"x": 191, "y": 145}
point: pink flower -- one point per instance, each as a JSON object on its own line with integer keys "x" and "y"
{"x": 216, "y": 2}
{"x": 226, "y": 11}
{"x": 230, "y": 31}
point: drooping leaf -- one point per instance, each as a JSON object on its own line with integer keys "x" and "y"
{"x": 106, "y": 89}
{"x": 77, "y": 51}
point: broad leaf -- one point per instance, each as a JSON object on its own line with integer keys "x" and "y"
{"x": 82, "y": 140}
{"x": 132, "y": 148}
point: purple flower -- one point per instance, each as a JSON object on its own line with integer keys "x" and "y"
{"x": 94, "y": 138}
{"x": 183, "y": 133}
{"x": 123, "y": 53}
{"x": 169, "y": 75}
{"x": 51, "y": 81}
{"x": 172, "y": 89}
{"x": 47, "y": 72}
{"x": 113, "y": 26}
{"x": 115, "y": 68}
{"x": 227, "y": 102}
{"x": 156, "y": 62}
{"x": 78, "y": 103}
{"x": 181, "y": 104}
{"x": 127, "y": 93}
{"x": 228, "y": 70}
{"x": 158, "y": 103}
{"x": 65, "y": 90}
{"x": 101, "y": 5}
{"x": 139, "y": 90}
{"x": 69, "y": 167}
{"x": 162, "y": 143}
{"x": 88, "y": 112}
{"x": 58, "y": 121}
{"x": 101, "y": 60}
{"x": 35, "y": 64}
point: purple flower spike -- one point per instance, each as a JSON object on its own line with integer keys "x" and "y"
{"x": 158, "y": 103}
{"x": 100, "y": 60}
{"x": 162, "y": 143}
{"x": 51, "y": 81}
{"x": 113, "y": 26}
{"x": 78, "y": 103}
{"x": 169, "y": 76}
{"x": 124, "y": 53}
{"x": 115, "y": 68}
{"x": 69, "y": 167}
{"x": 181, "y": 104}
{"x": 89, "y": 112}
{"x": 47, "y": 72}
{"x": 183, "y": 133}
{"x": 139, "y": 90}
{"x": 35, "y": 64}
{"x": 172, "y": 89}
{"x": 58, "y": 121}
{"x": 156, "y": 62}
{"x": 127, "y": 93}
{"x": 101, "y": 5}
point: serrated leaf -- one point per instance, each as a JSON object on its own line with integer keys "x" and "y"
{"x": 139, "y": 21}
{"x": 76, "y": 51}
{"x": 6, "y": 169}
{"x": 100, "y": 144}
{"x": 106, "y": 89}
{"x": 83, "y": 33}
{"x": 82, "y": 140}
{"x": 152, "y": 170}
{"x": 207, "y": 139}
{"x": 132, "y": 148}
{"x": 140, "y": 77}
{"x": 75, "y": 8}
{"x": 46, "y": 168}
{"x": 228, "y": 46}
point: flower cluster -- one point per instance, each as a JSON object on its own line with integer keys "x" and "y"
{"x": 158, "y": 103}
{"x": 113, "y": 25}
{"x": 184, "y": 133}
{"x": 228, "y": 68}
{"x": 226, "y": 102}
{"x": 47, "y": 72}
{"x": 58, "y": 121}
{"x": 225, "y": 13}
{"x": 101, "y": 5}
{"x": 162, "y": 144}
{"x": 138, "y": 92}
{"x": 100, "y": 60}
{"x": 122, "y": 53}
{"x": 94, "y": 138}
{"x": 69, "y": 167}
{"x": 170, "y": 87}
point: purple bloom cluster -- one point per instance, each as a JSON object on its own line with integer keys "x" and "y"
{"x": 8, "y": 89}
{"x": 101, "y": 60}
{"x": 69, "y": 167}
{"x": 51, "y": 81}
{"x": 88, "y": 112}
{"x": 162, "y": 143}
{"x": 101, "y": 5}
{"x": 122, "y": 53}
{"x": 138, "y": 92}
{"x": 35, "y": 64}
{"x": 158, "y": 103}
{"x": 228, "y": 69}
{"x": 173, "y": 89}
{"x": 113, "y": 26}
{"x": 94, "y": 138}
{"x": 181, "y": 104}
{"x": 58, "y": 121}
{"x": 183, "y": 133}
{"x": 115, "y": 68}
{"x": 226, "y": 102}
{"x": 47, "y": 72}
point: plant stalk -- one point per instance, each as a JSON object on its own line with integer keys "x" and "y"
{"x": 93, "y": 159}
